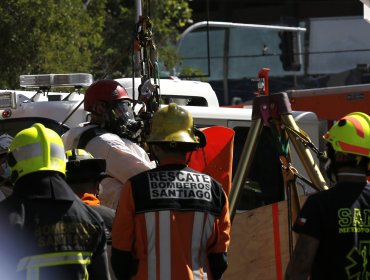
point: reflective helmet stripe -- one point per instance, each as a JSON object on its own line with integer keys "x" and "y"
{"x": 28, "y": 151}
{"x": 359, "y": 129}
{"x": 353, "y": 149}
{"x": 57, "y": 151}
{"x": 33, "y": 263}
{"x": 35, "y": 150}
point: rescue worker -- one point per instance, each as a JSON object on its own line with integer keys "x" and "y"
{"x": 47, "y": 232}
{"x": 334, "y": 225}
{"x": 84, "y": 173}
{"x": 172, "y": 222}
{"x": 6, "y": 187}
{"x": 111, "y": 135}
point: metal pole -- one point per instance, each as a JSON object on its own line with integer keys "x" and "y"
{"x": 139, "y": 13}
{"x": 226, "y": 67}
{"x": 245, "y": 162}
{"x": 305, "y": 155}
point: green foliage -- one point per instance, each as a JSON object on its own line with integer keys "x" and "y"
{"x": 43, "y": 36}
{"x": 93, "y": 36}
{"x": 169, "y": 17}
{"x": 69, "y": 39}
{"x": 188, "y": 73}
{"x": 114, "y": 59}
{"x": 169, "y": 56}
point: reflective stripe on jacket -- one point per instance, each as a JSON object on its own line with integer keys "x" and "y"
{"x": 33, "y": 263}
{"x": 47, "y": 232}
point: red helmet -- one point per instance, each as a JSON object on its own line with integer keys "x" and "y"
{"x": 104, "y": 90}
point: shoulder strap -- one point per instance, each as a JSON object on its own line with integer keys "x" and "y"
{"x": 89, "y": 134}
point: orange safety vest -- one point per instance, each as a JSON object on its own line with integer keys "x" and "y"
{"x": 169, "y": 244}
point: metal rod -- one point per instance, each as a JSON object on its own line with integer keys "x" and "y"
{"x": 305, "y": 155}
{"x": 245, "y": 162}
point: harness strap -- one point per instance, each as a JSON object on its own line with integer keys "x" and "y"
{"x": 89, "y": 134}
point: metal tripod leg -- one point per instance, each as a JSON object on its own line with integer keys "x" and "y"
{"x": 246, "y": 159}
{"x": 305, "y": 155}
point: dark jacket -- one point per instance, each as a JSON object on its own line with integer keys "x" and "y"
{"x": 47, "y": 231}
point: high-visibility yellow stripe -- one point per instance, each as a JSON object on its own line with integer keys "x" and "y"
{"x": 33, "y": 263}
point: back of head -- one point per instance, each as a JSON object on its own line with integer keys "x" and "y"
{"x": 173, "y": 126}
{"x": 36, "y": 149}
{"x": 82, "y": 167}
{"x": 348, "y": 144}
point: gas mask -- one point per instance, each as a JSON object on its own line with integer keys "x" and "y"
{"x": 122, "y": 120}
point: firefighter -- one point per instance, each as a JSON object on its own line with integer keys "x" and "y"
{"x": 5, "y": 184}
{"x": 172, "y": 222}
{"x": 334, "y": 225}
{"x": 47, "y": 232}
{"x": 111, "y": 134}
{"x": 84, "y": 173}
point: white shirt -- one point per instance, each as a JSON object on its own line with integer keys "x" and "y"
{"x": 124, "y": 159}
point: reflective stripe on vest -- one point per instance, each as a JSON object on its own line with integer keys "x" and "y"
{"x": 33, "y": 263}
{"x": 203, "y": 224}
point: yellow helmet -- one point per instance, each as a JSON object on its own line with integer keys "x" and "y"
{"x": 351, "y": 134}
{"x": 172, "y": 124}
{"x": 36, "y": 149}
